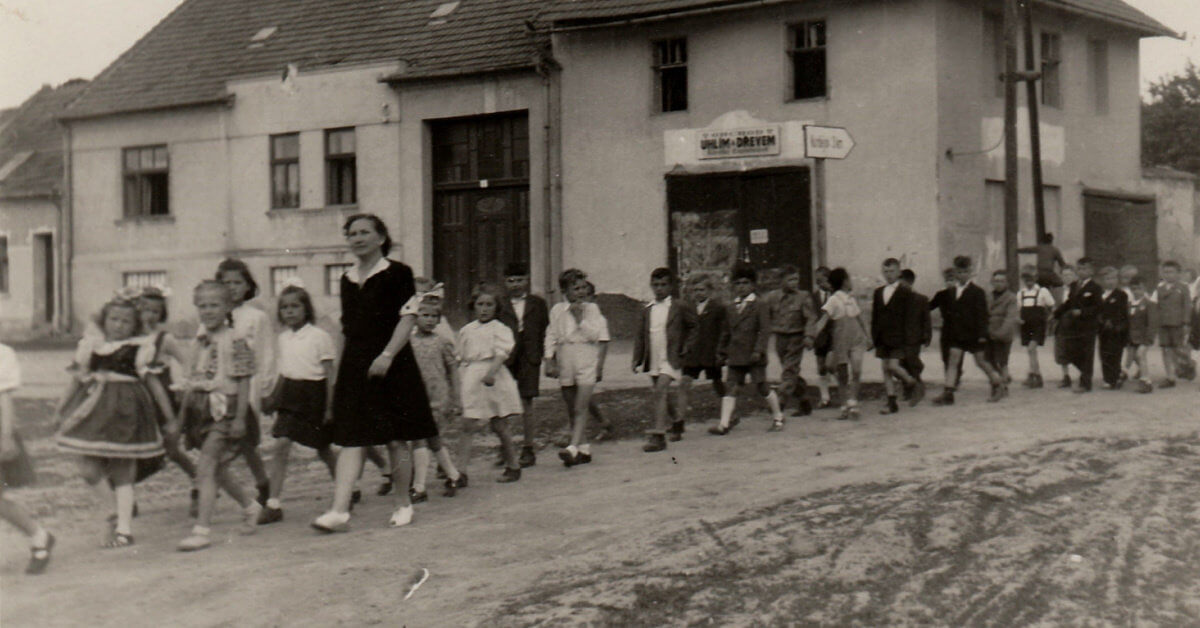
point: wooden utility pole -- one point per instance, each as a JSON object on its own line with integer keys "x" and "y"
{"x": 1035, "y": 136}
{"x": 1010, "y": 142}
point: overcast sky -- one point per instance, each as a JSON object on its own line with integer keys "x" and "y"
{"x": 51, "y": 41}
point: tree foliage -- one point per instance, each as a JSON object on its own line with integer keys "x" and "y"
{"x": 1171, "y": 122}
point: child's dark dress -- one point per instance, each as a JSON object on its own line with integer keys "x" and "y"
{"x": 376, "y": 411}
{"x": 111, "y": 414}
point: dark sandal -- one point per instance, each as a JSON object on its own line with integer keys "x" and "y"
{"x": 118, "y": 540}
{"x": 39, "y": 557}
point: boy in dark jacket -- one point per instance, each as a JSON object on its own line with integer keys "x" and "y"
{"x": 532, "y": 317}
{"x": 1080, "y": 315}
{"x": 743, "y": 349}
{"x": 965, "y": 329}
{"x": 1114, "y": 328}
{"x": 920, "y": 333}
{"x": 710, "y": 323}
{"x": 666, "y": 334}
{"x": 890, "y": 333}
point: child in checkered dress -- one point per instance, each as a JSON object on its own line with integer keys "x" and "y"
{"x": 439, "y": 370}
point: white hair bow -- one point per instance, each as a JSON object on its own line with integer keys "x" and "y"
{"x": 438, "y": 290}
{"x": 293, "y": 282}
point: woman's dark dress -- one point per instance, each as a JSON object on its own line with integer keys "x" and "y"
{"x": 376, "y": 411}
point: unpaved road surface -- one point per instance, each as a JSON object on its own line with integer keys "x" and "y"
{"x": 1048, "y": 508}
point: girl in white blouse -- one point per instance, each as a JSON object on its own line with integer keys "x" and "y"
{"x": 489, "y": 392}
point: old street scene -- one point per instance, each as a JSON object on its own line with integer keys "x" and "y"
{"x": 599, "y": 312}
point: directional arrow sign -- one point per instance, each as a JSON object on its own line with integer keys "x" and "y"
{"x": 826, "y": 142}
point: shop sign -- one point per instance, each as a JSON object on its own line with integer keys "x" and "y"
{"x": 757, "y": 141}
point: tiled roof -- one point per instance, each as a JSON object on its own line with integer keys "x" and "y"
{"x": 598, "y": 12}
{"x": 188, "y": 57}
{"x": 31, "y": 142}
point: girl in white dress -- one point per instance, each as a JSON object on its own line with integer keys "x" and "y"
{"x": 489, "y": 392}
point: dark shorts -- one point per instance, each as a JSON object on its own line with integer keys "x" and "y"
{"x": 890, "y": 353}
{"x": 737, "y": 374}
{"x": 1033, "y": 332}
{"x": 711, "y": 373}
{"x": 1170, "y": 337}
{"x": 969, "y": 346}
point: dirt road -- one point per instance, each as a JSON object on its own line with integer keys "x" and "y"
{"x": 1049, "y": 506}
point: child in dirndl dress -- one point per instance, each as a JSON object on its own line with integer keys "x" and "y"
{"x": 850, "y": 338}
{"x": 15, "y": 468}
{"x": 107, "y": 416}
{"x": 489, "y": 392}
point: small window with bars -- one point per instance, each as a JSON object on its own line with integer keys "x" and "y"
{"x": 333, "y": 278}
{"x": 808, "y": 59}
{"x": 670, "y": 75}
{"x": 144, "y": 278}
{"x": 146, "y": 171}
{"x": 341, "y": 176}
{"x": 285, "y": 171}
{"x": 280, "y": 276}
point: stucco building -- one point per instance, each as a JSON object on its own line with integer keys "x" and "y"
{"x": 32, "y": 292}
{"x": 614, "y": 135}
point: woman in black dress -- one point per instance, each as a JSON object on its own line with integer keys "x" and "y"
{"x": 379, "y": 398}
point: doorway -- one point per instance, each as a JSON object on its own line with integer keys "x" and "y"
{"x": 480, "y": 202}
{"x": 1122, "y": 229}
{"x": 43, "y": 278}
{"x": 763, "y": 217}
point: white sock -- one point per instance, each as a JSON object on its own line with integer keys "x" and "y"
{"x": 727, "y": 405}
{"x": 201, "y": 530}
{"x": 274, "y": 503}
{"x": 823, "y": 387}
{"x": 571, "y": 449}
{"x": 773, "y": 403}
{"x": 585, "y": 449}
{"x": 39, "y": 538}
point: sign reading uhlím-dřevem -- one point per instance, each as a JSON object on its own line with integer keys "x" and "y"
{"x": 746, "y": 142}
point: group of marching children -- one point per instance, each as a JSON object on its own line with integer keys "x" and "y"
{"x": 139, "y": 395}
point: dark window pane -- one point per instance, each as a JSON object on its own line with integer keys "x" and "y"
{"x": 157, "y": 187}
{"x": 674, "y": 89}
{"x": 808, "y": 67}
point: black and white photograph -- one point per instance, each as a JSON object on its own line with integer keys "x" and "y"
{"x": 599, "y": 313}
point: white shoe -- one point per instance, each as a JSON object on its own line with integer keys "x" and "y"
{"x": 332, "y": 522}
{"x": 402, "y": 517}
{"x": 250, "y": 518}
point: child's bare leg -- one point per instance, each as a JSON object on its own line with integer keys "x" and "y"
{"x": 662, "y": 389}
{"x": 377, "y": 459}
{"x": 122, "y": 472}
{"x": 206, "y": 477}
{"x": 856, "y": 358}
{"x": 569, "y": 394}
{"x": 594, "y": 412}
{"x": 1168, "y": 358}
{"x": 679, "y": 410}
{"x": 421, "y": 458}
{"x": 402, "y": 472}
{"x": 95, "y": 475}
{"x": 257, "y": 467}
{"x": 349, "y": 466}
{"x": 442, "y": 454}
{"x": 279, "y": 461}
{"x": 466, "y": 442}
{"x": 330, "y": 459}
{"x": 729, "y": 404}
{"x": 13, "y": 513}
{"x": 583, "y": 398}
{"x": 500, "y": 428}
{"x": 899, "y": 372}
{"x": 1032, "y": 351}
{"x": 952, "y": 368}
{"x": 988, "y": 368}
{"x": 527, "y": 424}
{"x": 176, "y": 454}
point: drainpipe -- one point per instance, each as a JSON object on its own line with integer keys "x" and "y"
{"x": 66, "y": 237}
{"x": 552, "y": 184}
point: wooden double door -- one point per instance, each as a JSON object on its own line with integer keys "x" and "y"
{"x": 480, "y": 202}
{"x": 1120, "y": 230}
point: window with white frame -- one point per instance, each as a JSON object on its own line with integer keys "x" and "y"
{"x": 285, "y": 171}
{"x": 807, "y": 49}
{"x": 333, "y": 278}
{"x": 145, "y": 171}
{"x": 144, "y": 278}
{"x": 1051, "y": 70}
{"x": 670, "y": 74}
{"x": 341, "y": 174}
{"x": 279, "y": 277}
